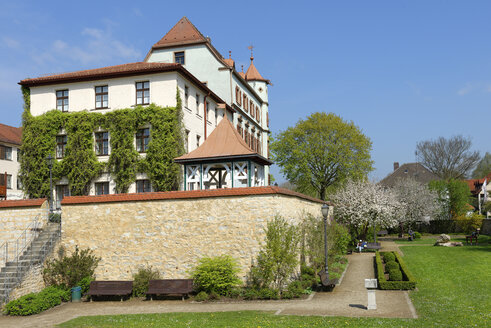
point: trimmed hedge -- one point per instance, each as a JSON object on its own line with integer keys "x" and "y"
{"x": 389, "y": 257}
{"x": 395, "y": 275}
{"x": 408, "y": 282}
{"x": 392, "y": 265}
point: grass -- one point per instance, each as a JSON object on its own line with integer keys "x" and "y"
{"x": 422, "y": 241}
{"x": 453, "y": 291}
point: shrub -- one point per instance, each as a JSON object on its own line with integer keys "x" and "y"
{"x": 202, "y": 296}
{"x": 251, "y": 294}
{"x": 287, "y": 295}
{"x": 417, "y": 235}
{"x": 37, "y": 302}
{"x": 55, "y": 217}
{"x": 85, "y": 284}
{"x": 141, "y": 279}
{"x": 68, "y": 271}
{"x": 235, "y": 293}
{"x": 389, "y": 257}
{"x": 269, "y": 294}
{"x": 216, "y": 274}
{"x": 408, "y": 283}
{"x": 278, "y": 258}
{"x": 296, "y": 288}
{"x": 392, "y": 265}
{"x": 469, "y": 223}
{"x": 395, "y": 275}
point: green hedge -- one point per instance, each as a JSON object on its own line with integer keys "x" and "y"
{"x": 34, "y": 303}
{"x": 408, "y": 282}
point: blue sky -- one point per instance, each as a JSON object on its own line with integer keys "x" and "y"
{"x": 403, "y": 71}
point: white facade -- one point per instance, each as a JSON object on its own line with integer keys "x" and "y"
{"x": 9, "y": 165}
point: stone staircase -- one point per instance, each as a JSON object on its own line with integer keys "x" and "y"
{"x": 12, "y": 274}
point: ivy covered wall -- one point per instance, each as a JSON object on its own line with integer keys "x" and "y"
{"x": 80, "y": 163}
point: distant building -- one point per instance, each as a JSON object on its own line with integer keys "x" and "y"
{"x": 476, "y": 187}
{"x": 415, "y": 171}
{"x": 10, "y": 141}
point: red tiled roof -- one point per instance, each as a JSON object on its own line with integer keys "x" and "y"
{"x": 184, "y": 32}
{"x": 252, "y": 73}
{"x": 230, "y": 62}
{"x": 102, "y": 73}
{"x": 223, "y": 142}
{"x": 251, "y": 191}
{"x": 475, "y": 185}
{"x": 22, "y": 203}
{"x": 10, "y": 134}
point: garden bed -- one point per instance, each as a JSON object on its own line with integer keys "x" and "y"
{"x": 406, "y": 283}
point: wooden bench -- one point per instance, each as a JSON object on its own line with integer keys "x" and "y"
{"x": 110, "y": 288}
{"x": 327, "y": 282}
{"x": 182, "y": 287}
{"x": 382, "y": 233}
{"x": 373, "y": 246}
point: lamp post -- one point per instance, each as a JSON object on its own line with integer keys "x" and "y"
{"x": 49, "y": 159}
{"x": 325, "y": 212}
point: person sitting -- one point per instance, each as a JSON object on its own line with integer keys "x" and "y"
{"x": 411, "y": 235}
{"x": 359, "y": 246}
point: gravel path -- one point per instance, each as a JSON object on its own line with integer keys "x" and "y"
{"x": 347, "y": 299}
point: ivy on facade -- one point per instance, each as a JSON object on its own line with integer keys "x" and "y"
{"x": 80, "y": 163}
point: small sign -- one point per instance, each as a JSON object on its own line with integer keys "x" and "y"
{"x": 370, "y": 283}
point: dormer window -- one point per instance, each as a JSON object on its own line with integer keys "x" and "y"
{"x": 62, "y": 100}
{"x": 179, "y": 57}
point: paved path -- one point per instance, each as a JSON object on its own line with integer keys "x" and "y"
{"x": 347, "y": 299}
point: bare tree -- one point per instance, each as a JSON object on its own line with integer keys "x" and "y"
{"x": 447, "y": 158}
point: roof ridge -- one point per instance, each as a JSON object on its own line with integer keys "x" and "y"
{"x": 182, "y": 32}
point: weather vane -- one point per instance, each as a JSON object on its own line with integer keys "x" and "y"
{"x": 251, "y": 47}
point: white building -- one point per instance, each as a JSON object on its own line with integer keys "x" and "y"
{"x": 10, "y": 141}
{"x": 210, "y": 89}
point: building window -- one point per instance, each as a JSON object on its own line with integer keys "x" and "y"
{"x": 244, "y": 98}
{"x": 18, "y": 154}
{"x": 186, "y": 97}
{"x": 251, "y": 106}
{"x": 102, "y": 188}
{"x": 6, "y": 153}
{"x": 197, "y": 141}
{"x": 179, "y": 57}
{"x": 142, "y": 138}
{"x": 258, "y": 114}
{"x": 143, "y": 93}
{"x": 143, "y": 186}
{"x": 60, "y": 146}
{"x": 237, "y": 95}
{"x": 101, "y": 97}
{"x": 197, "y": 104}
{"x": 9, "y": 181}
{"x": 62, "y": 100}
{"x": 19, "y": 183}
{"x": 186, "y": 142}
{"x": 101, "y": 143}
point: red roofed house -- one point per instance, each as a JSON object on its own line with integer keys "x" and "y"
{"x": 476, "y": 187}
{"x": 211, "y": 90}
{"x": 10, "y": 141}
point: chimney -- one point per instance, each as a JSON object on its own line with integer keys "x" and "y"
{"x": 396, "y": 165}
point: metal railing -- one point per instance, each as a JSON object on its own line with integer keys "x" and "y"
{"x": 11, "y": 251}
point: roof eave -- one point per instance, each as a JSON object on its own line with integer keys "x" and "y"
{"x": 256, "y": 157}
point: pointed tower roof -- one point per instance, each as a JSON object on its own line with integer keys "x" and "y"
{"x": 252, "y": 73}
{"x": 223, "y": 144}
{"x": 184, "y": 32}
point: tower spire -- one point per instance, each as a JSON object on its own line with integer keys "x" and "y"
{"x": 251, "y": 48}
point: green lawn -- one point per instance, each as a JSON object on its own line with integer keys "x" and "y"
{"x": 422, "y": 241}
{"x": 453, "y": 291}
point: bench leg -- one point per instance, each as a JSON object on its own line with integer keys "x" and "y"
{"x": 121, "y": 298}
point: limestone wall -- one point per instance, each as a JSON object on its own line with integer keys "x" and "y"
{"x": 486, "y": 227}
{"x": 31, "y": 283}
{"x": 172, "y": 234}
{"x": 15, "y": 218}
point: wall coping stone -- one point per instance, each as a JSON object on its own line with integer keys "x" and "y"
{"x": 22, "y": 203}
{"x": 209, "y": 193}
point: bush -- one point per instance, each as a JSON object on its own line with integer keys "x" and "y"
{"x": 202, "y": 296}
{"x": 268, "y": 294}
{"x": 287, "y": 295}
{"x": 296, "y": 288}
{"x": 37, "y": 302}
{"x": 85, "y": 284}
{"x": 235, "y": 293}
{"x": 417, "y": 235}
{"x": 469, "y": 223}
{"x": 389, "y": 257}
{"x": 68, "y": 271}
{"x": 251, "y": 294}
{"x": 216, "y": 274}
{"x": 141, "y": 279}
{"x": 395, "y": 275}
{"x": 55, "y": 217}
{"x": 392, "y": 265}
{"x": 278, "y": 258}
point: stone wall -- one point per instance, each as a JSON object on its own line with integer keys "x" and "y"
{"x": 171, "y": 231}
{"x": 15, "y": 218}
{"x": 31, "y": 283}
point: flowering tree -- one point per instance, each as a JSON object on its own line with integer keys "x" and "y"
{"x": 363, "y": 204}
{"x": 417, "y": 200}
